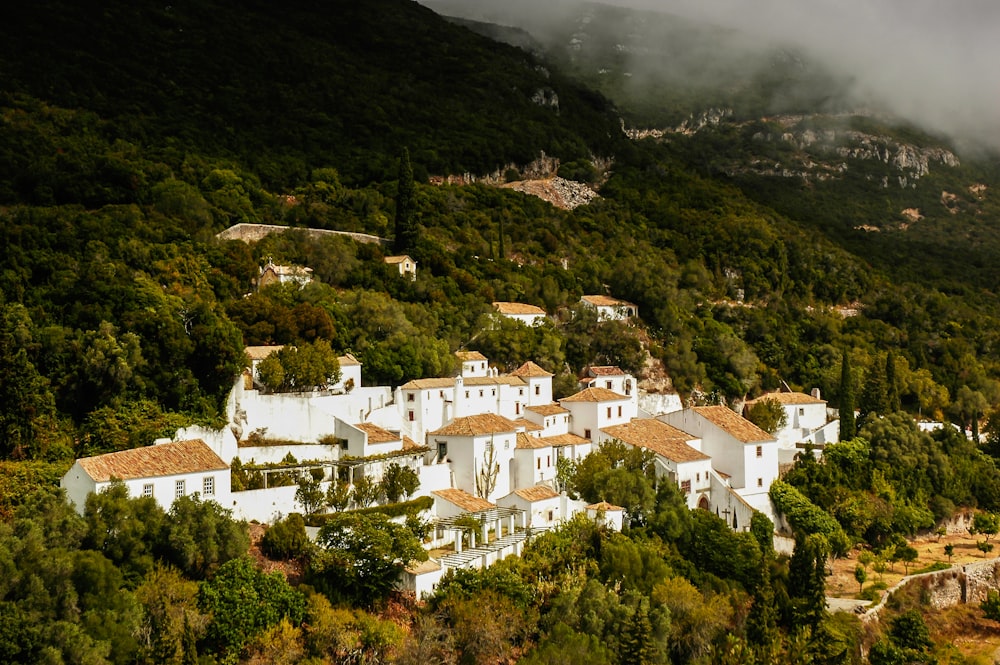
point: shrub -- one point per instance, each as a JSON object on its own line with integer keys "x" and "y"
{"x": 285, "y": 539}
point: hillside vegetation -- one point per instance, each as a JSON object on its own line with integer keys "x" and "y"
{"x": 131, "y": 134}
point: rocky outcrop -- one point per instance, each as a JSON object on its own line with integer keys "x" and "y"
{"x": 560, "y": 192}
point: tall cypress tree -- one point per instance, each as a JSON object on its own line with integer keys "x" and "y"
{"x": 847, "y": 424}
{"x": 874, "y": 397}
{"x": 891, "y": 387}
{"x": 405, "y": 225}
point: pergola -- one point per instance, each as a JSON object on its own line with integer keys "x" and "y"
{"x": 493, "y": 516}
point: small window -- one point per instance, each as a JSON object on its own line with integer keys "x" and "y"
{"x": 619, "y": 412}
{"x": 466, "y": 394}
{"x": 179, "y": 489}
{"x": 697, "y": 477}
{"x": 802, "y": 412}
{"x": 686, "y": 486}
{"x": 410, "y": 416}
{"x": 482, "y": 365}
{"x": 147, "y": 489}
{"x": 552, "y": 515}
{"x": 442, "y": 449}
{"x": 441, "y": 394}
{"x": 538, "y": 390}
{"x": 494, "y": 392}
{"x": 548, "y": 460}
{"x": 538, "y": 463}
{"x": 760, "y": 451}
{"x": 208, "y": 486}
{"x": 607, "y": 384}
{"x": 409, "y": 397}
{"x": 609, "y": 412}
{"x": 760, "y": 482}
{"x": 506, "y": 444}
{"x": 517, "y": 408}
{"x": 586, "y": 433}
{"x": 520, "y": 392}
{"x": 480, "y": 393}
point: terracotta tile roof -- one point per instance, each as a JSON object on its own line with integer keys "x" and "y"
{"x": 467, "y": 356}
{"x": 423, "y": 567}
{"x": 663, "y": 439}
{"x": 547, "y": 409}
{"x": 606, "y": 370}
{"x": 464, "y": 500}
{"x": 594, "y": 395}
{"x": 165, "y": 459}
{"x": 525, "y": 442}
{"x": 529, "y": 369}
{"x": 605, "y": 506}
{"x": 261, "y": 352}
{"x": 536, "y": 493}
{"x": 376, "y": 434}
{"x": 733, "y": 423}
{"x": 528, "y": 425}
{"x": 518, "y": 308}
{"x": 506, "y": 380}
{"x": 424, "y": 384}
{"x": 484, "y": 423}
{"x": 606, "y": 301}
{"x": 348, "y": 360}
{"x": 397, "y": 259}
{"x": 410, "y": 444}
{"x": 788, "y": 398}
{"x": 557, "y": 440}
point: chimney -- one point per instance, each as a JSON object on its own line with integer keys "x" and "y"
{"x": 815, "y": 393}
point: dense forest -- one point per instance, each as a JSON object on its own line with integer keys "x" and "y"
{"x": 131, "y": 135}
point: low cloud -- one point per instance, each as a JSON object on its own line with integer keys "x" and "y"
{"x": 934, "y": 64}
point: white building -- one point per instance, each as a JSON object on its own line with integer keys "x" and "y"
{"x": 164, "y": 472}
{"x": 350, "y": 374}
{"x": 678, "y": 457}
{"x": 540, "y": 503}
{"x": 805, "y": 422}
{"x": 745, "y": 453}
{"x": 275, "y": 274}
{"x": 534, "y": 461}
{"x": 594, "y": 409}
{"x": 610, "y": 309}
{"x": 529, "y": 315}
{"x": 406, "y": 266}
{"x": 473, "y": 364}
{"x": 481, "y": 451}
{"x": 552, "y": 419}
{"x": 538, "y": 381}
{"x": 611, "y": 378}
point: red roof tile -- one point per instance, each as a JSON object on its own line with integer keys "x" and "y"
{"x": 165, "y": 459}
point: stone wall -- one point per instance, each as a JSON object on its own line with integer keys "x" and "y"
{"x": 946, "y": 588}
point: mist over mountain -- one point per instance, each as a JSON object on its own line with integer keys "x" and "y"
{"x": 930, "y": 64}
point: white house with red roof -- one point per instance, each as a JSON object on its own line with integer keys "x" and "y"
{"x": 534, "y": 461}
{"x": 542, "y": 505}
{"x": 610, "y": 377}
{"x": 406, "y": 266}
{"x": 529, "y": 315}
{"x": 473, "y": 363}
{"x": 552, "y": 419}
{"x": 610, "y": 309}
{"x": 678, "y": 456}
{"x": 481, "y": 451}
{"x": 806, "y": 422}
{"x": 593, "y": 409}
{"x": 163, "y": 472}
{"x": 743, "y": 452}
{"x": 275, "y": 274}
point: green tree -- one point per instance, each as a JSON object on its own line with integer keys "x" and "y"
{"x": 123, "y": 529}
{"x": 366, "y": 491}
{"x": 874, "y": 398}
{"x": 310, "y": 494}
{"x": 361, "y": 557}
{"x": 636, "y": 640}
{"x": 243, "y": 602}
{"x": 338, "y": 495}
{"x": 807, "y": 579}
{"x": 891, "y": 383}
{"x": 405, "y": 224}
{"x": 399, "y": 482}
{"x": 860, "y": 576}
{"x": 199, "y": 536}
{"x": 986, "y": 523}
{"x": 300, "y": 368}
{"x": 286, "y": 538}
{"x": 847, "y": 426}
{"x": 767, "y": 414}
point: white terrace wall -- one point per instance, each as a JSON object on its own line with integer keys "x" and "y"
{"x": 301, "y": 417}
{"x": 266, "y": 505}
{"x": 274, "y": 454}
{"x": 433, "y": 477}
